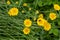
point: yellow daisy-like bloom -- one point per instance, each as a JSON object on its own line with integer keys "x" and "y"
{"x": 8, "y": 2}
{"x": 25, "y": 4}
{"x": 26, "y": 30}
{"x": 40, "y": 21}
{"x": 13, "y": 11}
{"x": 16, "y": 2}
{"x": 40, "y": 16}
{"x": 27, "y": 22}
{"x": 56, "y": 7}
{"x": 47, "y": 26}
{"x": 52, "y": 16}
{"x": 37, "y": 12}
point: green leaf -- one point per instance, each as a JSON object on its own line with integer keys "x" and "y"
{"x": 40, "y": 3}
{"x": 55, "y": 32}
{"x": 51, "y": 31}
{"x": 58, "y": 20}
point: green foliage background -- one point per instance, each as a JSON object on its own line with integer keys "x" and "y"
{"x": 11, "y": 27}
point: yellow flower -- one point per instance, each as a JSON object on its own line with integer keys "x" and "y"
{"x": 23, "y": 11}
{"x": 47, "y": 26}
{"x": 27, "y": 22}
{"x": 56, "y": 7}
{"x": 52, "y": 16}
{"x": 40, "y": 21}
{"x": 40, "y": 16}
{"x": 30, "y": 8}
{"x": 8, "y": 2}
{"x": 16, "y": 2}
{"x": 13, "y": 11}
{"x": 26, "y": 30}
{"x": 25, "y": 4}
{"x": 37, "y": 12}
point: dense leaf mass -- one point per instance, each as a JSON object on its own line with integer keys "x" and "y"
{"x": 11, "y": 27}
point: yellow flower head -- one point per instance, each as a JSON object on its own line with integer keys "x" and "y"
{"x": 52, "y": 16}
{"x": 30, "y": 8}
{"x": 8, "y": 2}
{"x": 27, "y": 22}
{"x": 23, "y": 11}
{"x": 16, "y": 2}
{"x": 13, "y": 11}
{"x": 37, "y": 12}
{"x": 56, "y": 7}
{"x": 40, "y": 21}
{"x": 26, "y": 30}
{"x": 40, "y": 16}
{"x": 47, "y": 26}
{"x": 25, "y": 4}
